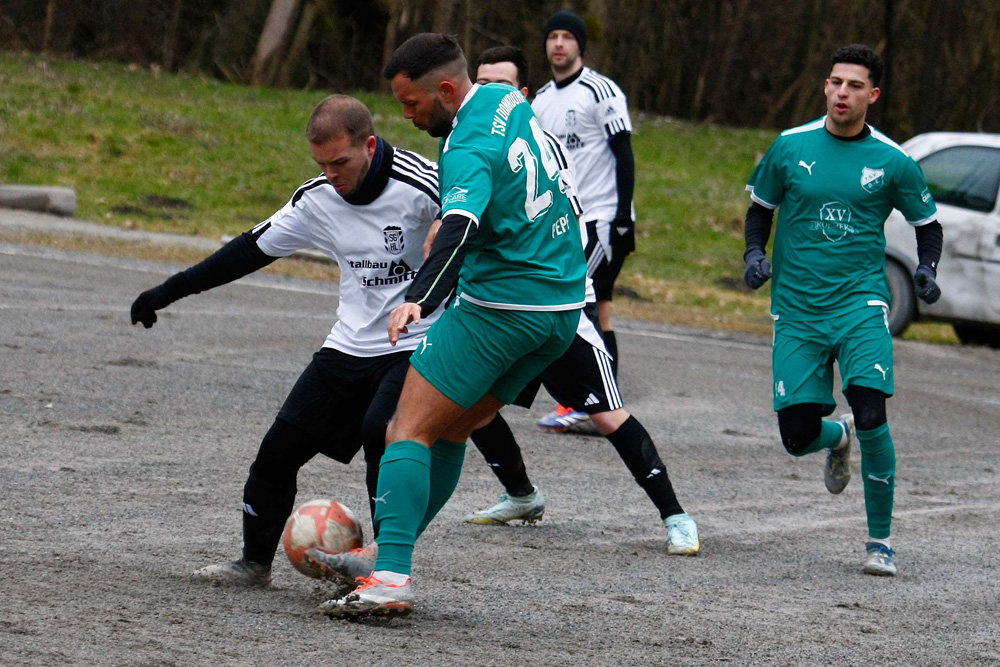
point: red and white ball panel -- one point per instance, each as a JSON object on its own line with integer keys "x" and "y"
{"x": 322, "y": 524}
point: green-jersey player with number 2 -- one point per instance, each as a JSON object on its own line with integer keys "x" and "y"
{"x": 510, "y": 241}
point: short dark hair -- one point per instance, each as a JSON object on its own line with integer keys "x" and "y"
{"x": 507, "y": 54}
{"x": 424, "y": 53}
{"x": 860, "y": 54}
{"x": 340, "y": 114}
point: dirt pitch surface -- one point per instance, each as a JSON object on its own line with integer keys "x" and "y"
{"x": 124, "y": 453}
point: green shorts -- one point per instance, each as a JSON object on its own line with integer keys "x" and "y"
{"x": 803, "y": 355}
{"x": 471, "y": 351}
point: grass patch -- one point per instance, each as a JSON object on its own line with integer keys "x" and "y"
{"x": 191, "y": 155}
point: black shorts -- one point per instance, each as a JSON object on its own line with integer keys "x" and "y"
{"x": 339, "y": 396}
{"x": 599, "y": 268}
{"x": 582, "y": 378}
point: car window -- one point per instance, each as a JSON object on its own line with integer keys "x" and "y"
{"x": 965, "y": 176}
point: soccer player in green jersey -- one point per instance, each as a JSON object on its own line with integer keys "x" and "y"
{"x": 510, "y": 240}
{"x": 834, "y": 181}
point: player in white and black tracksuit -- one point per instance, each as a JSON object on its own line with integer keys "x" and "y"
{"x": 588, "y": 112}
{"x": 374, "y": 230}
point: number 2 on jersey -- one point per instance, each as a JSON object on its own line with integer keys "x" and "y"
{"x": 521, "y": 157}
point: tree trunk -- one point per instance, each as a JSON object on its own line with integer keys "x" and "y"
{"x": 393, "y": 9}
{"x": 170, "y": 37}
{"x": 50, "y": 16}
{"x": 811, "y": 91}
{"x": 734, "y": 33}
{"x": 267, "y": 59}
{"x": 299, "y": 43}
{"x": 444, "y": 10}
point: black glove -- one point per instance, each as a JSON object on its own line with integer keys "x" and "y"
{"x": 145, "y": 306}
{"x": 924, "y": 284}
{"x": 622, "y": 236}
{"x": 758, "y": 268}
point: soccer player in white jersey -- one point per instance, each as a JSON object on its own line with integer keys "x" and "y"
{"x": 834, "y": 181}
{"x": 369, "y": 211}
{"x": 510, "y": 241}
{"x": 582, "y": 379}
{"x": 588, "y": 112}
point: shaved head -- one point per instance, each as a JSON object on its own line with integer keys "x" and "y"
{"x": 426, "y": 57}
{"x": 340, "y": 114}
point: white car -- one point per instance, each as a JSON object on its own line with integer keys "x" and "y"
{"x": 963, "y": 174}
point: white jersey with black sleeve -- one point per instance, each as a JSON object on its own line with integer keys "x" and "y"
{"x": 567, "y": 183}
{"x": 378, "y": 247}
{"x": 584, "y": 114}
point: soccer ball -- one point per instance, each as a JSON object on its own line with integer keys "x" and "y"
{"x": 322, "y": 524}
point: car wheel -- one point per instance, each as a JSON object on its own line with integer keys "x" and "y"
{"x": 978, "y": 334}
{"x": 904, "y": 301}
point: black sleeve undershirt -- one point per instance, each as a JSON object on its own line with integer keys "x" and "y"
{"x": 930, "y": 242}
{"x": 757, "y": 229}
{"x": 621, "y": 147}
{"x": 438, "y": 275}
{"x": 238, "y": 258}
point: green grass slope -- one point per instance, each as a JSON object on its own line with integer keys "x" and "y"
{"x": 196, "y": 156}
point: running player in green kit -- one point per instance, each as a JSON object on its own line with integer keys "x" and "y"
{"x": 835, "y": 181}
{"x": 510, "y": 240}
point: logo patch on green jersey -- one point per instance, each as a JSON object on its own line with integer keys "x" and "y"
{"x": 834, "y": 221}
{"x": 456, "y": 194}
{"x": 872, "y": 180}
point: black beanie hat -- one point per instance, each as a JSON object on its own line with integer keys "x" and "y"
{"x": 571, "y": 23}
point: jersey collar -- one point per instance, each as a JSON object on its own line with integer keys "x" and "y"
{"x": 468, "y": 96}
{"x": 865, "y": 131}
{"x": 377, "y": 177}
{"x": 570, "y": 79}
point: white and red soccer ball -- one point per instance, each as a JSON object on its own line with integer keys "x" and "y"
{"x": 321, "y": 524}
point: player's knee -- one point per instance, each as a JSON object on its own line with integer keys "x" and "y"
{"x": 797, "y": 436}
{"x": 868, "y": 406}
{"x": 799, "y": 426}
{"x": 609, "y": 422}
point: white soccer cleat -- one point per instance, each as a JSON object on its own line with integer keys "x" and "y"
{"x": 240, "y": 572}
{"x": 344, "y": 568}
{"x": 682, "y": 536}
{"x": 837, "y": 472}
{"x": 372, "y": 598}
{"x": 528, "y": 509}
{"x": 880, "y": 560}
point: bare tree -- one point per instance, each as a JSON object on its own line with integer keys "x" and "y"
{"x": 50, "y": 14}
{"x": 267, "y": 59}
{"x": 170, "y": 36}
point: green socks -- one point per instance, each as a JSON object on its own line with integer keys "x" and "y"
{"x": 414, "y": 483}
{"x": 404, "y": 478}
{"x": 830, "y": 435}
{"x": 878, "y": 468}
{"x": 446, "y": 467}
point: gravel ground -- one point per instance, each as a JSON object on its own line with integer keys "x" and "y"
{"x": 124, "y": 452}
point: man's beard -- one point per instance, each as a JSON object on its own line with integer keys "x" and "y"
{"x": 440, "y": 121}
